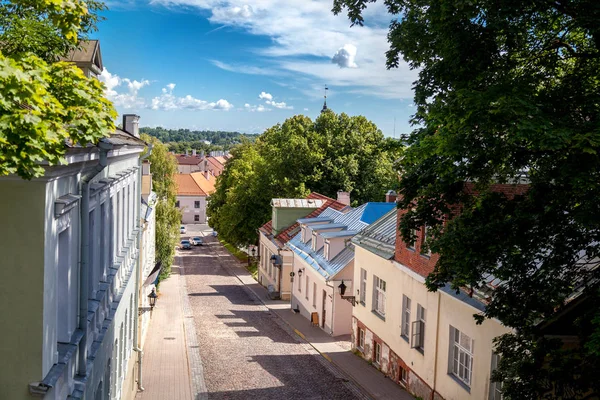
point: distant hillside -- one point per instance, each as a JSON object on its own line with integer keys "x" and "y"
{"x": 181, "y": 139}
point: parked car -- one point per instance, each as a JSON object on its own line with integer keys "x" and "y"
{"x": 196, "y": 241}
{"x": 185, "y": 245}
{"x": 182, "y": 229}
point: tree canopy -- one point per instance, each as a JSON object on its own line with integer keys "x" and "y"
{"x": 289, "y": 160}
{"x": 45, "y": 103}
{"x": 180, "y": 140}
{"x": 164, "y": 167}
{"x": 508, "y": 92}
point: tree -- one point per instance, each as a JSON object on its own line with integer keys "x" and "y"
{"x": 168, "y": 217}
{"x": 45, "y": 103}
{"x": 508, "y": 92}
{"x": 335, "y": 152}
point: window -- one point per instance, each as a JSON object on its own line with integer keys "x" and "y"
{"x": 412, "y": 245}
{"x": 461, "y": 356}
{"x": 405, "y": 317}
{"x": 403, "y": 376}
{"x": 377, "y": 353}
{"x": 306, "y": 294}
{"x": 379, "y": 295}
{"x": 363, "y": 285}
{"x": 196, "y": 204}
{"x": 361, "y": 338}
{"x": 417, "y": 340}
{"x": 424, "y": 243}
{"x": 177, "y": 204}
{"x": 299, "y": 282}
{"x": 495, "y": 387}
{"x": 196, "y": 218}
{"x": 315, "y": 294}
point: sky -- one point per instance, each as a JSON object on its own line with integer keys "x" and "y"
{"x": 247, "y": 65}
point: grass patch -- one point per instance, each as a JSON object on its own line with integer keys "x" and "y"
{"x": 237, "y": 253}
{"x": 242, "y": 257}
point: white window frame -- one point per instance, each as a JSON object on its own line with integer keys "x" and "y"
{"x": 460, "y": 363}
{"x": 417, "y": 339}
{"x": 363, "y": 285}
{"x": 379, "y": 287}
{"x": 425, "y": 234}
{"x": 403, "y": 376}
{"x": 377, "y": 356}
{"x": 326, "y": 250}
{"x": 405, "y": 328}
{"x": 495, "y": 387}
{"x": 361, "y": 339}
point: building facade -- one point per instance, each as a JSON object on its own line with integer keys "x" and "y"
{"x": 193, "y": 192}
{"x": 323, "y": 259}
{"x": 71, "y": 250}
{"x": 275, "y": 259}
{"x": 426, "y": 341}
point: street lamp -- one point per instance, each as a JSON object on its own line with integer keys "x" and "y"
{"x": 152, "y": 296}
{"x": 342, "y": 290}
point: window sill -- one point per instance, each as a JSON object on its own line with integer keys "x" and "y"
{"x": 460, "y": 383}
{"x": 420, "y": 350}
{"x": 411, "y": 249}
{"x": 381, "y": 317}
{"x": 362, "y": 303}
{"x": 425, "y": 256}
{"x": 405, "y": 338}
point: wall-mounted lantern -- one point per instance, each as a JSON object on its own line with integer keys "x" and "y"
{"x": 342, "y": 290}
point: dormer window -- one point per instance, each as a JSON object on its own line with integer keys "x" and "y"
{"x": 314, "y": 241}
{"x": 326, "y": 250}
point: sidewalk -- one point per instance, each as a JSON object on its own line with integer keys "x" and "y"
{"x": 337, "y": 352}
{"x": 166, "y": 369}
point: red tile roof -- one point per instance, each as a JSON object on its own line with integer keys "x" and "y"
{"x": 182, "y": 159}
{"x": 187, "y": 186}
{"x": 286, "y": 235}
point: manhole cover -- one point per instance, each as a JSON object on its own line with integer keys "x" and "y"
{"x": 169, "y": 338}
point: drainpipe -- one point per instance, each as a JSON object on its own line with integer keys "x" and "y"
{"x": 332, "y": 305}
{"x": 138, "y": 289}
{"x": 437, "y": 340}
{"x": 84, "y": 280}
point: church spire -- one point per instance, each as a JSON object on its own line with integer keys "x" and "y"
{"x": 325, "y": 102}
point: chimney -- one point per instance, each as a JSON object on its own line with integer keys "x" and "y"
{"x": 343, "y": 197}
{"x": 207, "y": 175}
{"x": 194, "y": 152}
{"x": 131, "y": 124}
{"x": 187, "y": 152}
{"x": 391, "y": 196}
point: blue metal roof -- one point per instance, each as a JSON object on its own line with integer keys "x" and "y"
{"x": 327, "y": 226}
{"x": 374, "y": 211}
{"x": 380, "y": 236}
{"x": 329, "y": 235}
{"x": 355, "y": 220}
{"x": 314, "y": 220}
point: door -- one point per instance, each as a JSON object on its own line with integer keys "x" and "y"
{"x": 323, "y": 313}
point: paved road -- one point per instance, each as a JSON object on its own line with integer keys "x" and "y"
{"x": 246, "y": 351}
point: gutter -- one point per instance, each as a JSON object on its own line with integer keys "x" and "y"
{"x": 138, "y": 291}
{"x": 104, "y": 148}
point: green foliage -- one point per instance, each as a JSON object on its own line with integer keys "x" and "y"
{"x": 335, "y": 152}
{"x": 508, "y": 90}
{"x": 180, "y": 140}
{"x": 43, "y": 103}
{"x": 168, "y": 217}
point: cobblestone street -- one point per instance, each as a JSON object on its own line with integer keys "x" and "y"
{"x": 246, "y": 351}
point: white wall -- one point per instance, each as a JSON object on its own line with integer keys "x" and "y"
{"x": 189, "y": 211}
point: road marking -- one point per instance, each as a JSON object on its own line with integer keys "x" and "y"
{"x": 299, "y": 334}
{"x": 327, "y": 357}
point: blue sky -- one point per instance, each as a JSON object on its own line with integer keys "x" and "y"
{"x": 250, "y": 64}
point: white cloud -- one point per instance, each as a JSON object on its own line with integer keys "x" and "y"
{"x": 305, "y": 109}
{"x": 168, "y": 101}
{"x": 258, "y": 108}
{"x": 301, "y": 28}
{"x": 127, "y": 99}
{"x": 281, "y": 105}
{"x": 344, "y": 57}
{"x": 265, "y": 96}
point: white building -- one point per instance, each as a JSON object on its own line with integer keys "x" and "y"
{"x": 323, "y": 257}
{"x": 193, "y": 191}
